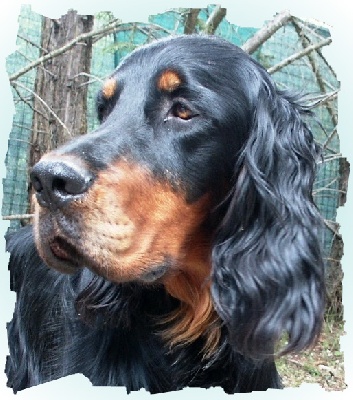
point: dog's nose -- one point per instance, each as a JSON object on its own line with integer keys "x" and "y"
{"x": 58, "y": 182}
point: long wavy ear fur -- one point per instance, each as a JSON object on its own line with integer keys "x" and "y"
{"x": 268, "y": 274}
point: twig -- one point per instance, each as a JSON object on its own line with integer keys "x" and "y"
{"x": 22, "y": 140}
{"x": 146, "y": 31}
{"x": 124, "y": 27}
{"x": 332, "y": 226}
{"x": 17, "y": 216}
{"x": 320, "y": 80}
{"x": 299, "y": 55}
{"x": 94, "y": 78}
{"x": 297, "y": 363}
{"x": 330, "y": 181}
{"x": 214, "y": 19}
{"x": 44, "y": 103}
{"x": 302, "y": 27}
{"x": 110, "y": 28}
{"x": 329, "y": 138}
{"x": 335, "y": 157}
{"x": 331, "y": 151}
{"x": 28, "y": 103}
{"x": 191, "y": 20}
{"x": 155, "y": 27}
{"x": 66, "y": 47}
{"x": 40, "y": 66}
{"x": 324, "y": 189}
{"x": 324, "y": 98}
{"x": 266, "y": 32}
{"x": 22, "y": 127}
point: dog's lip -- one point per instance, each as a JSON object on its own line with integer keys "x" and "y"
{"x": 64, "y": 256}
{"x": 64, "y": 251}
{"x": 69, "y": 257}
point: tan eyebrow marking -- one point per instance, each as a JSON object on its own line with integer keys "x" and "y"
{"x": 109, "y": 88}
{"x": 169, "y": 81}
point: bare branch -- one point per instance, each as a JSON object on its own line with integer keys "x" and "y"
{"x": 147, "y": 31}
{"x": 97, "y": 34}
{"x": 158, "y": 28}
{"x": 324, "y": 98}
{"x": 214, "y": 19}
{"x": 17, "y": 216}
{"x": 329, "y": 138}
{"x": 299, "y": 55}
{"x": 81, "y": 38}
{"x": 44, "y": 103}
{"x": 125, "y": 26}
{"x": 327, "y": 189}
{"x": 300, "y": 27}
{"x": 266, "y": 32}
{"x": 27, "y": 102}
{"x": 191, "y": 20}
{"x": 332, "y": 226}
{"x": 92, "y": 78}
{"x": 314, "y": 66}
{"x": 330, "y": 158}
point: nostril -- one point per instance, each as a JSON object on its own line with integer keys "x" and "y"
{"x": 57, "y": 182}
{"x": 61, "y": 185}
{"x": 37, "y": 185}
{"x": 72, "y": 184}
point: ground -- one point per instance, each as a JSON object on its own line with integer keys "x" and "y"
{"x": 322, "y": 365}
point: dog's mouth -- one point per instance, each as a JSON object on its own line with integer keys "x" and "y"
{"x": 64, "y": 251}
{"x": 66, "y": 257}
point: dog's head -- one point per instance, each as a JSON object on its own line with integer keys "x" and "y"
{"x": 199, "y": 178}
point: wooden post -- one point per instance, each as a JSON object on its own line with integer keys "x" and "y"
{"x": 60, "y": 93}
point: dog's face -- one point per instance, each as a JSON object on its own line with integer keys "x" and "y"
{"x": 198, "y": 178}
{"x": 151, "y": 173}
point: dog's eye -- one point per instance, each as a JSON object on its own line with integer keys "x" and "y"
{"x": 182, "y": 111}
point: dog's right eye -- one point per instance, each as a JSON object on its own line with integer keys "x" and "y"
{"x": 181, "y": 111}
{"x": 104, "y": 108}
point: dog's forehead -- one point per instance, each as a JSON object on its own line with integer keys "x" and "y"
{"x": 165, "y": 77}
{"x": 177, "y": 54}
{"x": 194, "y": 58}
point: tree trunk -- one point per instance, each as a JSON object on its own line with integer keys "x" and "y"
{"x": 60, "y": 103}
{"x": 61, "y": 85}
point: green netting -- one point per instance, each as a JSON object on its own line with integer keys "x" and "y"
{"x": 15, "y": 198}
{"x": 102, "y": 65}
{"x": 311, "y": 73}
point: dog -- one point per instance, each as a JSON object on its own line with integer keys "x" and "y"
{"x": 178, "y": 243}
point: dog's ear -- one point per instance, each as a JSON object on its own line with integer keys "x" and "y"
{"x": 267, "y": 274}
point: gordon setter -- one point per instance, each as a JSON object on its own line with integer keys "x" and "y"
{"x": 181, "y": 236}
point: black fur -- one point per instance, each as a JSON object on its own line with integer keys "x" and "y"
{"x": 267, "y": 270}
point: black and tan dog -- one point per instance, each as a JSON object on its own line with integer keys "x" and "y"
{"x": 181, "y": 235}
